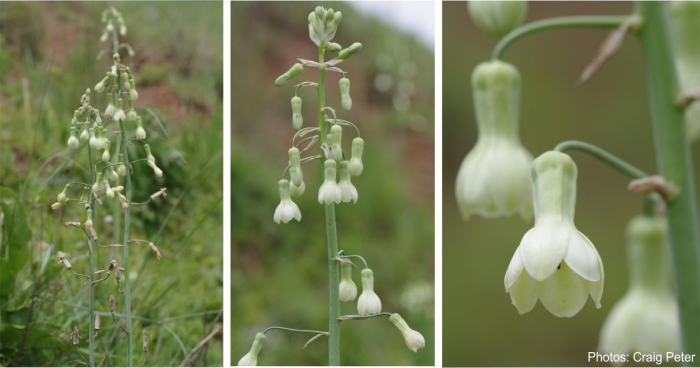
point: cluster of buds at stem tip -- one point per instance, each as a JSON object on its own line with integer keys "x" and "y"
{"x": 497, "y": 18}
{"x": 554, "y": 262}
{"x": 414, "y": 340}
{"x": 251, "y": 359}
{"x": 494, "y": 178}
{"x": 684, "y": 22}
{"x": 323, "y": 24}
{"x": 645, "y": 320}
{"x": 112, "y": 18}
{"x": 369, "y": 302}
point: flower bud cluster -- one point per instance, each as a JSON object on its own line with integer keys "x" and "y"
{"x": 114, "y": 22}
{"x": 323, "y": 24}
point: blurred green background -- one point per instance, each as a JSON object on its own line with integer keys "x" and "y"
{"x": 279, "y": 274}
{"x": 48, "y": 58}
{"x": 481, "y": 327}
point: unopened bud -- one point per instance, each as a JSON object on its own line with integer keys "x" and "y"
{"x": 109, "y": 193}
{"x": 345, "y": 100}
{"x": 334, "y": 140}
{"x": 98, "y": 181}
{"x": 56, "y": 206}
{"x": 353, "y": 49}
{"x": 333, "y": 47}
{"x": 133, "y": 94}
{"x": 140, "y": 132}
{"x": 497, "y": 18}
{"x": 111, "y": 109}
{"x": 123, "y": 201}
{"x": 125, "y": 82}
{"x": 355, "y": 167}
{"x": 63, "y": 197}
{"x": 73, "y": 140}
{"x": 119, "y": 114}
{"x": 84, "y": 135}
{"x": 101, "y": 85}
{"x": 88, "y": 223}
{"x": 297, "y": 119}
{"x": 121, "y": 169}
{"x": 295, "y": 70}
{"x": 112, "y": 175}
{"x": 295, "y": 167}
{"x": 105, "y": 155}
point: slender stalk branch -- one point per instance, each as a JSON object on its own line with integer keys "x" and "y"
{"x": 675, "y": 164}
{"x": 91, "y": 261}
{"x": 355, "y": 256}
{"x": 127, "y": 223}
{"x": 341, "y": 121}
{"x": 353, "y": 317}
{"x": 294, "y": 330}
{"x": 604, "y": 156}
{"x": 332, "y": 237}
{"x": 585, "y": 21}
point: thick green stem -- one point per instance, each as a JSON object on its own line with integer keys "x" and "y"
{"x": 592, "y": 21}
{"x": 603, "y": 155}
{"x": 91, "y": 261}
{"x": 674, "y": 163}
{"x": 127, "y": 214}
{"x": 332, "y": 237}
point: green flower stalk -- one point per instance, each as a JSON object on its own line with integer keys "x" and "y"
{"x": 554, "y": 262}
{"x": 645, "y": 320}
{"x": 493, "y": 178}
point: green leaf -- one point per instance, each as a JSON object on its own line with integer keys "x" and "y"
{"x": 15, "y": 234}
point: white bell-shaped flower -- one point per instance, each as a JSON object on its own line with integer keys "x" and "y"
{"x": 645, "y": 320}
{"x": 554, "y": 262}
{"x": 287, "y": 209}
{"x": 348, "y": 289}
{"x": 329, "y": 192}
{"x": 369, "y": 302}
{"x": 348, "y": 192}
{"x": 494, "y": 178}
{"x": 251, "y": 359}
{"x": 414, "y": 340}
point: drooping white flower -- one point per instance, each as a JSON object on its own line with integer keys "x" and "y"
{"x": 73, "y": 140}
{"x": 494, "y": 178}
{"x": 554, "y": 263}
{"x": 369, "y": 302}
{"x": 348, "y": 289}
{"x": 329, "y": 192}
{"x": 251, "y": 359}
{"x": 348, "y": 192}
{"x": 414, "y": 340}
{"x": 287, "y": 209}
{"x": 646, "y": 319}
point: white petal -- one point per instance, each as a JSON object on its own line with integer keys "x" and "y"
{"x": 543, "y": 248}
{"x": 523, "y": 293}
{"x": 278, "y": 213}
{"x": 582, "y": 256}
{"x": 563, "y": 294}
{"x": 514, "y": 269}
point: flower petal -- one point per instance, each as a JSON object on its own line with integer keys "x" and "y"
{"x": 515, "y": 268}
{"x": 523, "y": 293}
{"x": 543, "y": 248}
{"x": 582, "y": 256}
{"x": 564, "y": 293}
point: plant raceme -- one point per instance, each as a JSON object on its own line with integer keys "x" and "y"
{"x": 338, "y": 169}
{"x": 645, "y": 320}
{"x": 554, "y": 262}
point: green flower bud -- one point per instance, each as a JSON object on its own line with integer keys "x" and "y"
{"x": 297, "y": 191}
{"x": 105, "y": 155}
{"x": 251, "y": 359}
{"x": 96, "y": 185}
{"x": 100, "y": 140}
{"x": 413, "y": 339}
{"x": 84, "y": 135}
{"x": 111, "y": 109}
{"x": 140, "y": 132}
{"x": 345, "y": 100}
{"x": 88, "y": 222}
{"x": 335, "y": 139}
{"x": 63, "y": 197}
{"x": 125, "y": 82}
{"x": 109, "y": 192}
{"x": 332, "y": 47}
{"x": 133, "y": 93}
{"x": 149, "y": 155}
{"x": 347, "y": 288}
{"x": 73, "y": 140}
{"x": 112, "y": 175}
{"x": 355, "y": 167}
{"x": 497, "y": 18}
{"x": 121, "y": 169}
{"x": 295, "y": 70}
{"x": 119, "y": 114}
{"x": 297, "y": 119}
{"x": 131, "y": 114}
{"x": 320, "y": 13}
{"x": 93, "y": 140}
{"x": 99, "y": 87}
{"x": 353, "y": 49}
{"x": 337, "y": 17}
{"x": 295, "y": 166}
{"x": 369, "y": 302}
{"x": 329, "y": 16}
{"x": 684, "y": 21}
{"x": 650, "y": 303}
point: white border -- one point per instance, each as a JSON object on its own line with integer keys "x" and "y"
{"x": 227, "y": 184}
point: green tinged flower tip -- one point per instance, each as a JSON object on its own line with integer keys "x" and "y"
{"x": 353, "y": 49}
{"x": 251, "y": 359}
{"x": 369, "y": 302}
{"x": 497, "y": 18}
{"x": 332, "y": 47}
{"x": 494, "y": 178}
{"x": 646, "y": 319}
{"x": 554, "y": 262}
{"x": 355, "y": 167}
{"x": 684, "y": 22}
{"x": 335, "y": 139}
{"x": 347, "y": 288}
{"x": 297, "y": 119}
{"x": 345, "y": 100}
{"x": 323, "y": 24}
{"x": 295, "y": 70}
{"x": 414, "y": 340}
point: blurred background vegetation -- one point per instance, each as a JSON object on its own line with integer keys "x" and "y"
{"x": 280, "y": 274}
{"x": 611, "y": 111}
{"x": 48, "y": 58}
